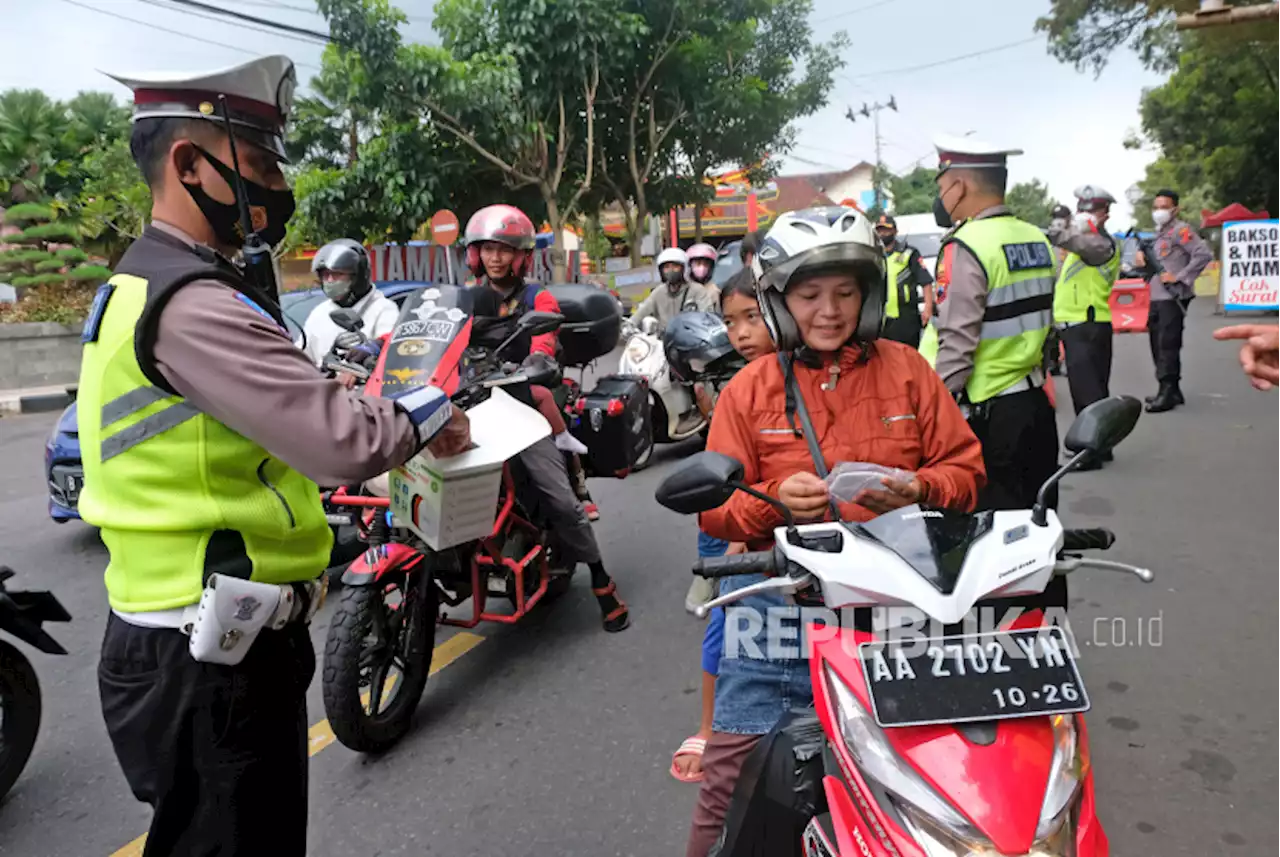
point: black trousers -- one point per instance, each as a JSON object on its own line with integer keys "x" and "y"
{"x": 1088, "y": 347}
{"x": 905, "y": 329}
{"x": 1019, "y": 436}
{"x": 1164, "y": 328}
{"x": 219, "y": 752}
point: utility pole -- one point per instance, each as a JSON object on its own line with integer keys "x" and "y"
{"x": 873, "y": 112}
{"x": 1216, "y": 13}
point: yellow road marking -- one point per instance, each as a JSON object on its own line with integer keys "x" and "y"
{"x": 321, "y": 735}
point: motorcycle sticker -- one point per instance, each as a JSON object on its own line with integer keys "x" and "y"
{"x": 404, "y": 376}
{"x": 413, "y": 348}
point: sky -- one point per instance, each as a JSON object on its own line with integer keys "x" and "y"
{"x": 1070, "y": 125}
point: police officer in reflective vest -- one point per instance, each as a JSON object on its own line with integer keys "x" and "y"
{"x": 905, "y": 277}
{"x": 1081, "y": 308}
{"x": 204, "y": 433}
{"x": 995, "y": 301}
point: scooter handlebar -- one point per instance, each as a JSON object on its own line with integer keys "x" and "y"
{"x": 754, "y": 562}
{"x": 1099, "y": 538}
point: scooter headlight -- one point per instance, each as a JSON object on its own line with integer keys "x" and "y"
{"x": 638, "y": 349}
{"x": 937, "y": 843}
{"x": 877, "y": 760}
{"x": 1066, "y": 772}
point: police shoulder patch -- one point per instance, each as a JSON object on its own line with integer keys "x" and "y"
{"x": 93, "y": 323}
{"x": 1028, "y": 256}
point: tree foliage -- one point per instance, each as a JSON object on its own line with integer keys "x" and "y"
{"x": 913, "y": 193}
{"x": 1030, "y": 201}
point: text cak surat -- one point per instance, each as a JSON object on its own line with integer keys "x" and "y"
{"x": 957, "y": 659}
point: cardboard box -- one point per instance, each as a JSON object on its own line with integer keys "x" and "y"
{"x": 450, "y": 501}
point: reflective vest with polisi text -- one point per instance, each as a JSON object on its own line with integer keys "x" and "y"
{"x": 898, "y": 280}
{"x": 1081, "y": 287}
{"x": 1018, "y": 261}
{"x": 177, "y": 494}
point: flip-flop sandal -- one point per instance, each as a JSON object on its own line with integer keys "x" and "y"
{"x": 692, "y": 746}
{"x": 616, "y": 618}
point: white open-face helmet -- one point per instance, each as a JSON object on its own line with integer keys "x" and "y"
{"x": 673, "y": 254}
{"x": 812, "y": 241}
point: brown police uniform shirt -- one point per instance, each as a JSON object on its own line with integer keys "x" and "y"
{"x": 1182, "y": 253}
{"x": 1093, "y": 248}
{"x": 242, "y": 369}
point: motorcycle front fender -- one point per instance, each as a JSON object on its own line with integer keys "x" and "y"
{"x": 377, "y": 562}
{"x": 21, "y": 614}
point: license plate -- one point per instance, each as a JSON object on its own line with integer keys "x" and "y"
{"x": 967, "y": 677}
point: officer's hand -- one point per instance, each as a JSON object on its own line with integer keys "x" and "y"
{"x": 347, "y": 380}
{"x": 1260, "y": 355}
{"x": 454, "y": 438}
{"x": 896, "y": 494}
{"x": 1166, "y": 277}
{"x": 805, "y": 495}
{"x": 1140, "y": 259}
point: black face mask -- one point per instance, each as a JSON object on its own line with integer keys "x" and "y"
{"x": 276, "y": 207}
{"x": 888, "y": 240}
{"x": 674, "y": 278}
{"x": 941, "y": 216}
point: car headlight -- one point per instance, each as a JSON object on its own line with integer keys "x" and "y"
{"x": 877, "y": 760}
{"x": 638, "y": 350}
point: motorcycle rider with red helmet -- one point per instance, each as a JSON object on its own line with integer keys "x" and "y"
{"x": 499, "y": 242}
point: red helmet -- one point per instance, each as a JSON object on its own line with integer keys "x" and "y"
{"x": 505, "y": 224}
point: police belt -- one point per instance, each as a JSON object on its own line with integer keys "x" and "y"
{"x": 1032, "y": 381}
{"x": 298, "y": 603}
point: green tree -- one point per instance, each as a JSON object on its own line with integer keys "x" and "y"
{"x": 31, "y": 128}
{"x": 748, "y": 92}
{"x": 913, "y": 192}
{"x": 1030, "y": 201}
{"x": 45, "y": 263}
{"x": 114, "y": 202}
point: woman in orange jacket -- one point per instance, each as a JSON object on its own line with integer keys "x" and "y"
{"x": 821, "y": 288}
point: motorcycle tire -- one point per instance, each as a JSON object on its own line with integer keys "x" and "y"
{"x": 20, "y": 710}
{"x": 646, "y": 454}
{"x": 344, "y": 664}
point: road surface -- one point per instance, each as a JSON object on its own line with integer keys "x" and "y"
{"x": 555, "y": 738}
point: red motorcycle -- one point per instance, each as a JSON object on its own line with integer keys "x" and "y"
{"x": 940, "y": 741}
{"x": 481, "y": 546}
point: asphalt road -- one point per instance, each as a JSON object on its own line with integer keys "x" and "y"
{"x": 554, "y": 738}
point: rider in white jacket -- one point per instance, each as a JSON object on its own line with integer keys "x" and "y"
{"x": 342, "y": 270}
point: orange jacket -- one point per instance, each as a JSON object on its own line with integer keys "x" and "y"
{"x": 892, "y": 410}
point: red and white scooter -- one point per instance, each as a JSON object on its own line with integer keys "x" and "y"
{"x": 947, "y": 745}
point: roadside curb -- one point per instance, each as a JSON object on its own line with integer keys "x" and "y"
{"x": 35, "y": 403}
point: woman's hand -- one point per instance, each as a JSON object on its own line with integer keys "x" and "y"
{"x": 805, "y": 495}
{"x": 896, "y": 494}
{"x": 735, "y": 548}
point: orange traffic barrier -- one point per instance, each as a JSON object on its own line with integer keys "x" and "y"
{"x": 1130, "y": 303}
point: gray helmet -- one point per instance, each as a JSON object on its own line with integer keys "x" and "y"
{"x": 347, "y": 257}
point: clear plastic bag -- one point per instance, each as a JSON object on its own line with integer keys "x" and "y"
{"x": 848, "y": 478}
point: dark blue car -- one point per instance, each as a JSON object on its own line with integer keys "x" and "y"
{"x": 62, "y": 467}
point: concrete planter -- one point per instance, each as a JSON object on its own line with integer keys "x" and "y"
{"x": 39, "y": 354}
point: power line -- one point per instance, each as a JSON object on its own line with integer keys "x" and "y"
{"x": 254, "y": 19}
{"x": 176, "y": 32}
{"x": 274, "y": 4}
{"x": 952, "y": 59}
{"x": 852, "y": 11}
{"x": 813, "y": 148}
{"x": 160, "y": 5}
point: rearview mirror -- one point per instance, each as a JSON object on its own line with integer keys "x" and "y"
{"x": 537, "y": 322}
{"x": 346, "y": 319}
{"x": 1103, "y": 424}
{"x": 701, "y": 483}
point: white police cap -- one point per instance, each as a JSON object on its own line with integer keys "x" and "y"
{"x": 1092, "y": 196}
{"x": 970, "y": 154}
{"x": 259, "y": 97}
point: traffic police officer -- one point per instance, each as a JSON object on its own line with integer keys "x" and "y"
{"x": 1180, "y": 257}
{"x": 905, "y": 276}
{"x": 995, "y": 300}
{"x": 204, "y": 433}
{"x": 1081, "y": 308}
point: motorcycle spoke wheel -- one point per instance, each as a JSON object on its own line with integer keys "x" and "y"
{"x": 377, "y": 661}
